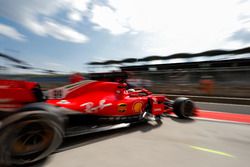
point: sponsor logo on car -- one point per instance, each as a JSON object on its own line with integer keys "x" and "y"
{"x": 137, "y": 107}
{"x": 122, "y": 107}
{"x": 90, "y": 108}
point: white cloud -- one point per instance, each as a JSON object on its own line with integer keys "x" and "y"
{"x": 78, "y": 5}
{"x": 175, "y": 25}
{"x": 11, "y": 32}
{"x": 37, "y": 16}
{"x": 64, "y": 33}
{"x": 75, "y": 16}
{"x": 108, "y": 19}
{"x": 164, "y": 26}
{"x": 77, "y": 10}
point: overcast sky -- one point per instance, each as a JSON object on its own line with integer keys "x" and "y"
{"x": 66, "y": 34}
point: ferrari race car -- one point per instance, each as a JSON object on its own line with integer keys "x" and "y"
{"x": 33, "y": 123}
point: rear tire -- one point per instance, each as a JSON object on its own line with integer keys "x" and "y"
{"x": 30, "y": 139}
{"x": 183, "y": 107}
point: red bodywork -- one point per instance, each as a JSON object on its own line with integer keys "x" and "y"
{"x": 14, "y": 94}
{"x": 105, "y": 99}
{"x": 88, "y": 97}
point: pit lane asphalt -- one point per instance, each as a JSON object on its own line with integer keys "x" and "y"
{"x": 221, "y": 107}
{"x": 174, "y": 143}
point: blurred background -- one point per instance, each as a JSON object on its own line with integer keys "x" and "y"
{"x": 195, "y": 48}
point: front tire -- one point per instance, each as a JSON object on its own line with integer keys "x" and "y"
{"x": 29, "y": 139}
{"x": 183, "y": 107}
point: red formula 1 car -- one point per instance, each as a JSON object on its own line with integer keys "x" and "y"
{"x": 32, "y": 127}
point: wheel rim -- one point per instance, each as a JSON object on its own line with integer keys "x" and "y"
{"x": 32, "y": 138}
{"x": 187, "y": 108}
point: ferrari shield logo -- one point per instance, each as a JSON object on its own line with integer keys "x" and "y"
{"x": 122, "y": 107}
{"x": 137, "y": 107}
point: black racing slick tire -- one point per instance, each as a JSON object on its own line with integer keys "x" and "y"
{"x": 29, "y": 138}
{"x": 183, "y": 107}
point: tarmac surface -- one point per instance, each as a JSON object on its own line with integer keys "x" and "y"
{"x": 222, "y": 107}
{"x": 173, "y": 143}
